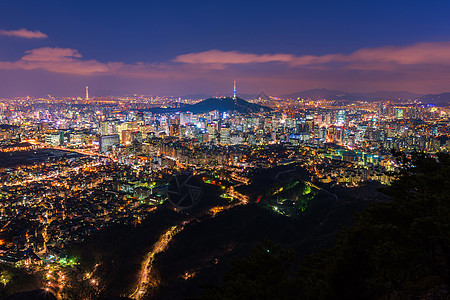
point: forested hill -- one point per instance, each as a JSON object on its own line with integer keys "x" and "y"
{"x": 396, "y": 250}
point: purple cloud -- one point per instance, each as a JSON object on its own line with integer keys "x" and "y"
{"x": 379, "y": 58}
{"x": 24, "y": 33}
{"x": 422, "y": 67}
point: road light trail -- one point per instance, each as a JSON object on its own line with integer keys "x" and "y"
{"x": 160, "y": 246}
{"x": 146, "y": 268}
{"x": 80, "y": 151}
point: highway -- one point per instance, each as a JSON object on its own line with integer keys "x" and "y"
{"x": 65, "y": 172}
{"x": 81, "y": 151}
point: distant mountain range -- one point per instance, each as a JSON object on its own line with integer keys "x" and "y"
{"x": 438, "y": 99}
{"x": 316, "y": 94}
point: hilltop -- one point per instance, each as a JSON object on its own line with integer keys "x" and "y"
{"x": 220, "y": 104}
{"x": 226, "y": 104}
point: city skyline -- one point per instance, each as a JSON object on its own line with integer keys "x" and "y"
{"x": 161, "y": 50}
{"x": 224, "y": 149}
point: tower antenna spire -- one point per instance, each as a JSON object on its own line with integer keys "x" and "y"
{"x": 234, "y": 90}
{"x": 87, "y": 93}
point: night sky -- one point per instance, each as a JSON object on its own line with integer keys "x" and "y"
{"x": 190, "y": 47}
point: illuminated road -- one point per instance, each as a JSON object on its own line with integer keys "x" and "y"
{"x": 144, "y": 280}
{"x": 160, "y": 246}
{"x": 242, "y": 198}
{"x": 85, "y": 152}
{"x": 81, "y": 151}
{"x": 65, "y": 172}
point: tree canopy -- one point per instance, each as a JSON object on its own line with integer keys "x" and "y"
{"x": 395, "y": 250}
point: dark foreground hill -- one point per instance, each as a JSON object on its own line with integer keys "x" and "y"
{"x": 200, "y": 254}
{"x": 32, "y": 295}
{"x": 397, "y": 249}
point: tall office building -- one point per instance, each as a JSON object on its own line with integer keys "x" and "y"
{"x": 54, "y": 137}
{"x": 225, "y": 136}
{"x": 211, "y": 132}
{"x": 174, "y": 130}
{"x": 108, "y": 141}
{"x": 341, "y": 117}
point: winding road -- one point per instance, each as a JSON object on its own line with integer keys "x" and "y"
{"x": 160, "y": 246}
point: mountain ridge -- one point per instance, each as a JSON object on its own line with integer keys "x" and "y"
{"x": 221, "y": 104}
{"x": 316, "y": 94}
{"x": 226, "y": 104}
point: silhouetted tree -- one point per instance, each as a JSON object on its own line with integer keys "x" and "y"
{"x": 395, "y": 249}
{"x": 261, "y": 275}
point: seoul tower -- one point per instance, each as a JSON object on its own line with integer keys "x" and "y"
{"x": 87, "y": 93}
{"x": 234, "y": 90}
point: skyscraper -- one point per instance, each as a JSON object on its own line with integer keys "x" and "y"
{"x": 341, "y": 117}
{"x": 225, "y": 136}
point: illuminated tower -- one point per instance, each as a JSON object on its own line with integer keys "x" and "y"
{"x": 234, "y": 90}
{"x": 87, "y": 93}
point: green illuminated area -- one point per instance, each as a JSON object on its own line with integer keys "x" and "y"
{"x": 68, "y": 262}
{"x": 290, "y": 199}
{"x": 148, "y": 185}
{"x": 226, "y": 196}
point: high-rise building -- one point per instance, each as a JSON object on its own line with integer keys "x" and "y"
{"x": 225, "y": 136}
{"x": 211, "y": 132}
{"x": 185, "y": 118}
{"x": 174, "y": 130}
{"x": 399, "y": 113}
{"x": 109, "y": 127}
{"x": 108, "y": 141}
{"x": 76, "y": 138}
{"x": 127, "y": 136}
{"x": 54, "y": 137}
{"x": 341, "y": 117}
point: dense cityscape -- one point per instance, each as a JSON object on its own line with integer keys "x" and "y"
{"x": 73, "y": 166}
{"x": 224, "y": 150}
